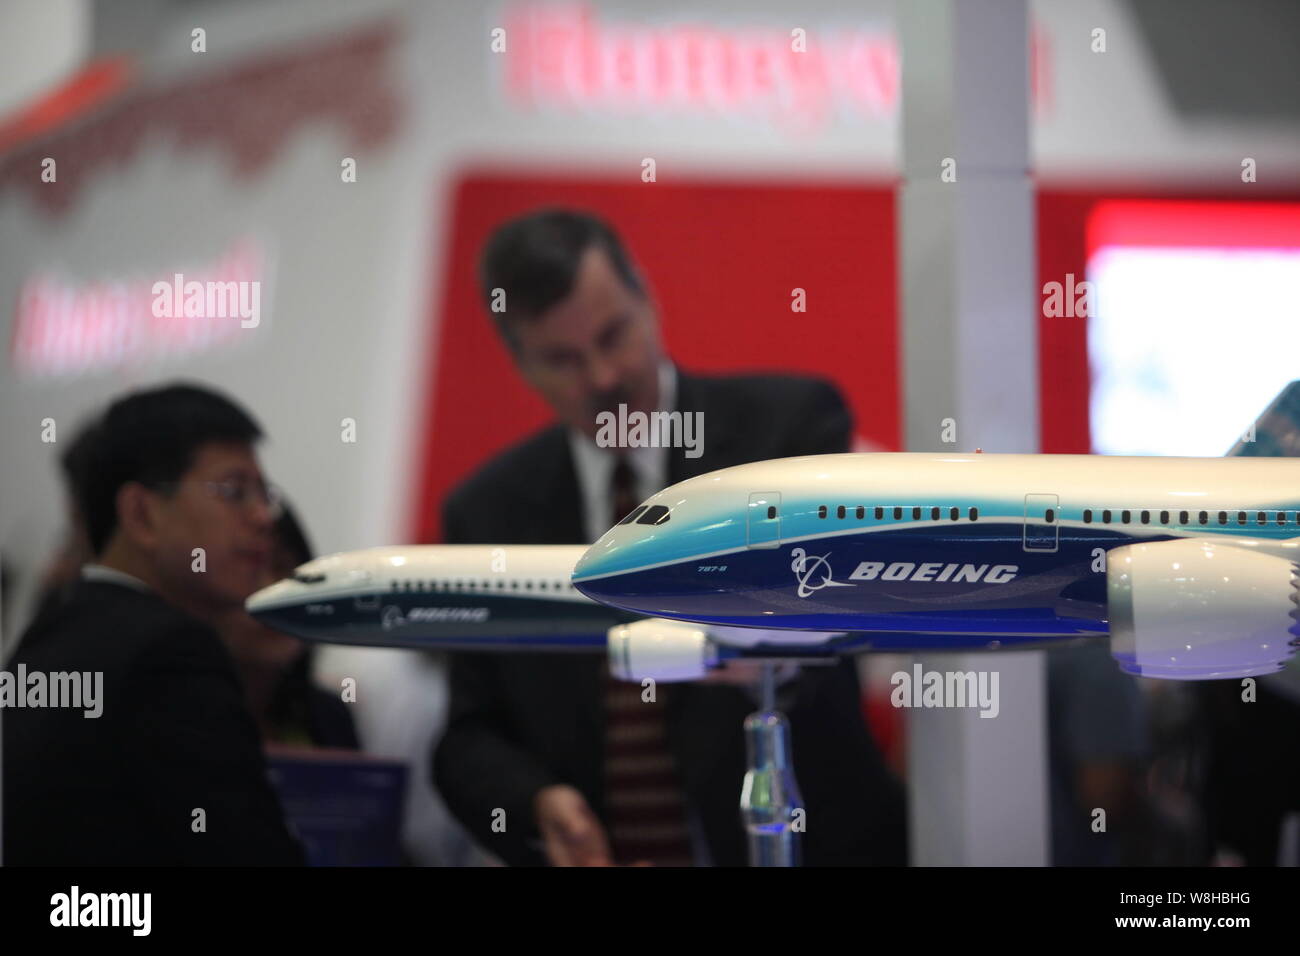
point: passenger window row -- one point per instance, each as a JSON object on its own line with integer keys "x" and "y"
{"x": 481, "y": 584}
{"x": 898, "y": 512}
{"x": 1146, "y": 516}
{"x": 1102, "y": 516}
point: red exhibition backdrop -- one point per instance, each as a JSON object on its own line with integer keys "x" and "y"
{"x": 721, "y": 258}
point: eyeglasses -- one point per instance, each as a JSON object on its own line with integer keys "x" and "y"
{"x": 238, "y": 493}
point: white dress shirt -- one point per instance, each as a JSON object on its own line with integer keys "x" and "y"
{"x": 98, "y": 572}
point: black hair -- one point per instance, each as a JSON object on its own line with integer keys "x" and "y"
{"x": 534, "y": 260}
{"x": 75, "y": 457}
{"x": 75, "y": 464}
{"x": 151, "y": 437}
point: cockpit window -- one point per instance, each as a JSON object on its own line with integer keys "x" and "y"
{"x": 302, "y": 578}
{"x": 655, "y": 514}
{"x": 632, "y": 515}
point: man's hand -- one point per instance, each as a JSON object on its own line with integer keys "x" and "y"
{"x": 571, "y": 832}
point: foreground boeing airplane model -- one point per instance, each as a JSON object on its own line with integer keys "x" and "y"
{"x": 1190, "y": 565}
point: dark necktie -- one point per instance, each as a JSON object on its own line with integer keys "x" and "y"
{"x": 643, "y": 797}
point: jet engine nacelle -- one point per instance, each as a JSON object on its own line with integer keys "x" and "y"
{"x": 661, "y": 649}
{"x": 1198, "y": 609}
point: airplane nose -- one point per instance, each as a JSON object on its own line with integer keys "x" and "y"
{"x": 633, "y": 566}
{"x": 603, "y": 571}
{"x": 272, "y": 598}
{"x": 648, "y": 564}
{"x": 645, "y": 582}
{"x": 591, "y": 575}
{"x": 615, "y": 591}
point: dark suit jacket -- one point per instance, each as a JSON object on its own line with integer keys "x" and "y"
{"x": 174, "y": 735}
{"x": 517, "y": 723}
{"x": 1251, "y": 780}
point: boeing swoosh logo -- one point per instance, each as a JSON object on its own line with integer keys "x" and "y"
{"x": 805, "y": 566}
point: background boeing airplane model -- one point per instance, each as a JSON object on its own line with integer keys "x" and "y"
{"x": 498, "y": 597}
{"x": 1190, "y": 565}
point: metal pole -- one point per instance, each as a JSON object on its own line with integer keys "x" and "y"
{"x": 770, "y": 803}
{"x": 977, "y": 788}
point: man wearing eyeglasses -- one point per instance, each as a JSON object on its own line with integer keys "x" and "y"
{"x": 170, "y": 771}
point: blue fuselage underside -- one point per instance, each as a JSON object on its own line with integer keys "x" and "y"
{"x": 907, "y": 580}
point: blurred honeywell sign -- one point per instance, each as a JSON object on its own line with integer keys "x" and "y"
{"x": 65, "y": 328}
{"x": 568, "y": 57}
{"x": 798, "y": 79}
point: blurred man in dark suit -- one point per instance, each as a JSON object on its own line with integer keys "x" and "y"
{"x": 170, "y": 771}
{"x": 586, "y": 771}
